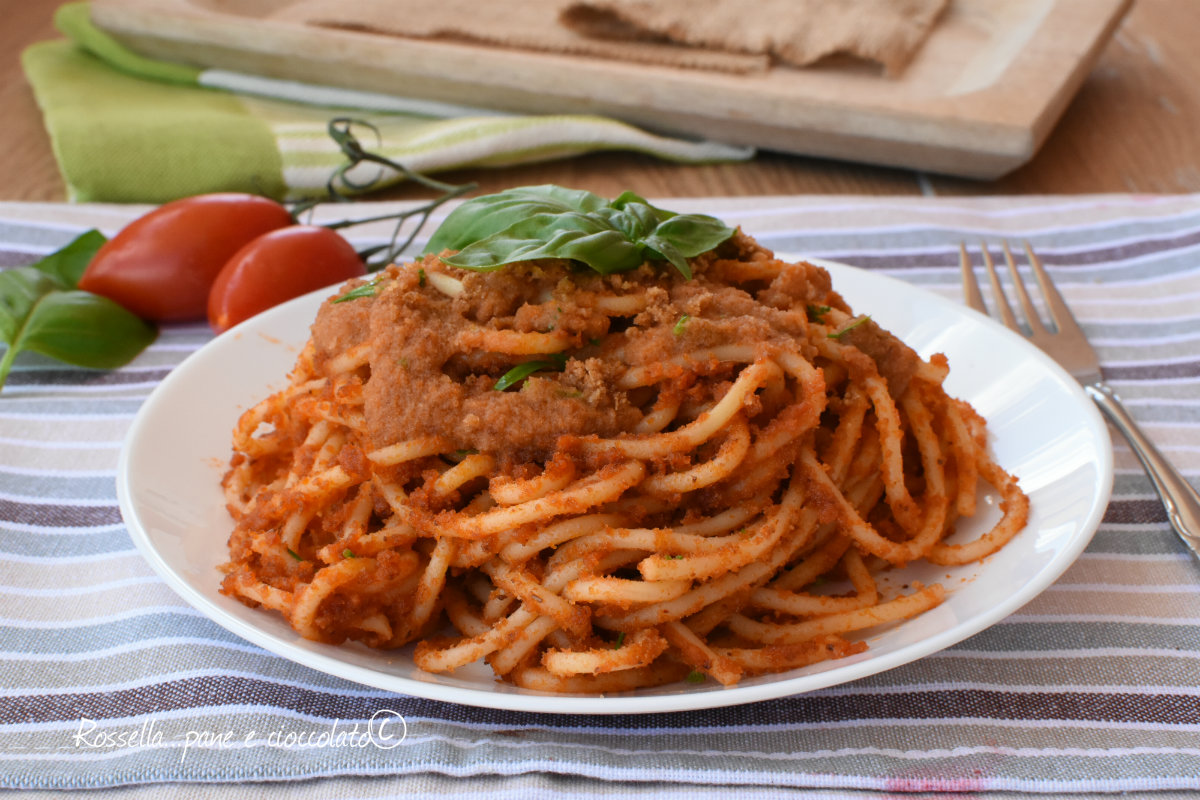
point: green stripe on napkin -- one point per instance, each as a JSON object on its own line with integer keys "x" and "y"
{"x": 126, "y": 128}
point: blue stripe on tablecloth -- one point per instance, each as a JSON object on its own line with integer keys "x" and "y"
{"x": 70, "y": 380}
{"x": 66, "y": 486}
{"x": 43, "y": 544}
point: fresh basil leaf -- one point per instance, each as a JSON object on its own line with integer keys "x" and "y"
{"x": 556, "y": 362}
{"x": 666, "y": 249}
{"x": 41, "y": 310}
{"x": 20, "y": 289}
{"x": 481, "y": 217}
{"x": 636, "y": 220}
{"x": 85, "y": 330}
{"x": 552, "y": 222}
{"x": 627, "y": 197}
{"x": 73, "y": 326}
{"x": 67, "y": 264}
{"x": 692, "y": 234}
{"x": 674, "y": 237}
{"x": 590, "y": 238}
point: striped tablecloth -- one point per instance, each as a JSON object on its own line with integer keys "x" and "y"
{"x": 107, "y": 679}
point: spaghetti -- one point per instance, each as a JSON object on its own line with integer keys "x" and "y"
{"x": 684, "y": 478}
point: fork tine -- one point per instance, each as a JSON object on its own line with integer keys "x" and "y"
{"x": 970, "y": 286}
{"x": 1031, "y": 313}
{"x": 1006, "y": 314}
{"x": 1060, "y": 312}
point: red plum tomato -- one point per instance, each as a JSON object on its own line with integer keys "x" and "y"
{"x": 278, "y": 266}
{"x": 162, "y": 265}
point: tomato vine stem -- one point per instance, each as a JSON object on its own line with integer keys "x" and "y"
{"x": 341, "y": 186}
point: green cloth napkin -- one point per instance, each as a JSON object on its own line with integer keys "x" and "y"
{"x": 125, "y": 128}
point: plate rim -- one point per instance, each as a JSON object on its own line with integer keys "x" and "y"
{"x": 311, "y": 655}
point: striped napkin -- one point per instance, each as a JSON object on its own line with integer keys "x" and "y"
{"x": 130, "y": 129}
{"x": 109, "y": 681}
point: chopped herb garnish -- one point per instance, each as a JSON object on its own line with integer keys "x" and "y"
{"x": 674, "y": 556}
{"x": 348, "y": 553}
{"x": 857, "y": 321}
{"x": 420, "y": 277}
{"x": 294, "y": 554}
{"x": 695, "y": 676}
{"x": 465, "y": 452}
{"x": 816, "y": 312}
{"x": 682, "y": 324}
{"x": 620, "y": 640}
{"x": 555, "y": 362}
{"x": 366, "y": 290}
{"x": 594, "y": 342}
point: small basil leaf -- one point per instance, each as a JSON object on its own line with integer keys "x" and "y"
{"x": 693, "y": 234}
{"x": 67, "y": 265}
{"x": 556, "y": 362}
{"x": 481, "y": 217}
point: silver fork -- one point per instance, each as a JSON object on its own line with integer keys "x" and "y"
{"x": 1067, "y": 345}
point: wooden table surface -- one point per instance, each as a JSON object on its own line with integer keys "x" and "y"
{"x": 1133, "y": 127}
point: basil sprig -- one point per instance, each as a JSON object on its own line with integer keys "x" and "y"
{"x": 549, "y": 221}
{"x": 42, "y": 310}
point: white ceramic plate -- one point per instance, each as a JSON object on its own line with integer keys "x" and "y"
{"x": 1043, "y": 429}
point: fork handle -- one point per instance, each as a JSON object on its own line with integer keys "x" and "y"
{"x": 1180, "y": 499}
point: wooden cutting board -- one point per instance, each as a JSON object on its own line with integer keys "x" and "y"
{"x": 977, "y": 101}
